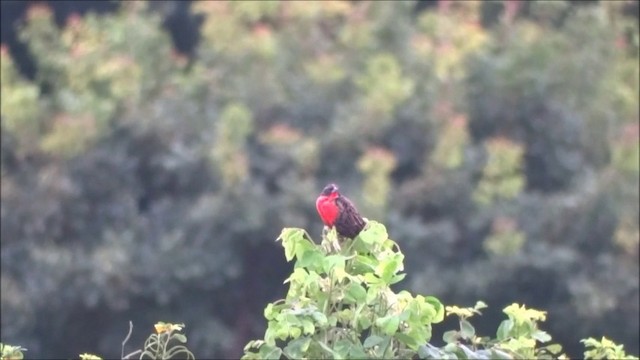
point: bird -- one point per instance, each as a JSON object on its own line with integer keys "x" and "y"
{"x": 336, "y": 210}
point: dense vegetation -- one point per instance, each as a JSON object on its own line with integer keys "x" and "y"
{"x": 497, "y": 141}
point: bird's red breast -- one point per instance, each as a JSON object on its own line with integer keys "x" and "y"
{"x": 327, "y": 208}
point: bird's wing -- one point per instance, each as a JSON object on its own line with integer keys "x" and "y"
{"x": 349, "y": 219}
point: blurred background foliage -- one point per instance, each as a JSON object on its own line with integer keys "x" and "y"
{"x": 152, "y": 152}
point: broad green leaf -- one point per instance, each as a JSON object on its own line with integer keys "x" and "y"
{"x": 450, "y": 336}
{"x": 452, "y": 348}
{"x": 504, "y": 330}
{"x": 329, "y": 350}
{"x": 372, "y": 341}
{"x": 421, "y": 333}
{"x": 480, "y": 305}
{"x": 270, "y": 352}
{"x": 295, "y": 332}
{"x": 312, "y": 259}
{"x": 373, "y": 233}
{"x": 357, "y": 352}
{"x": 343, "y": 347}
{"x": 320, "y": 318}
{"x": 397, "y": 278}
{"x": 308, "y": 255}
{"x": 364, "y": 322}
{"x": 297, "y": 277}
{"x": 282, "y": 332}
{"x": 371, "y": 279}
{"x": 554, "y": 348}
{"x": 270, "y": 335}
{"x": 179, "y": 337}
{"x": 407, "y": 340}
{"x": 345, "y": 315}
{"x": 387, "y": 269}
{"x": 541, "y": 336}
{"x": 290, "y": 237}
{"x": 297, "y": 348}
{"x": 388, "y": 324}
{"x": 356, "y": 293}
{"x": 437, "y": 305}
{"x": 466, "y": 329}
{"x": 307, "y": 327}
{"x": 268, "y": 311}
{"x": 362, "y": 264}
{"x": 332, "y": 261}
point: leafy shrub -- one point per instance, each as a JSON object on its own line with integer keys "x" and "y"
{"x": 340, "y": 305}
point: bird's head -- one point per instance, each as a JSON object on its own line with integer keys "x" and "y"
{"x": 330, "y": 190}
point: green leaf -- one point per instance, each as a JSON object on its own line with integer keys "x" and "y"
{"x": 270, "y": 352}
{"x": 333, "y": 261}
{"x": 179, "y": 337}
{"x": 311, "y": 258}
{"x": 504, "y": 330}
{"x": 373, "y": 233}
{"x": 343, "y": 347}
{"x": 407, "y": 340}
{"x": 397, "y": 279}
{"x": 268, "y": 312}
{"x": 282, "y": 332}
{"x": 362, "y": 264}
{"x": 364, "y": 322}
{"x": 420, "y": 332}
{"x": 452, "y": 348}
{"x": 307, "y": 327}
{"x": 554, "y": 348}
{"x": 388, "y": 268}
{"x": 357, "y": 352}
{"x": 371, "y": 279}
{"x": 372, "y": 341}
{"x": 388, "y": 324}
{"x": 320, "y": 318}
{"x": 541, "y": 336}
{"x": 466, "y": 329}
{"x": 356, "y": 293}
{"x": 437, "y": 305}
{"x": 290, "y": 237}
{"x": 450, "y": 336}
{"x": 326, "y": 348}
{"x": 297, "y": 348}
{"x": 295, "y": 332}
{"x": 480, "y": 305}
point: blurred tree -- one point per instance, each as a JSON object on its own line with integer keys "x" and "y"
{"x": 139, "y": 183}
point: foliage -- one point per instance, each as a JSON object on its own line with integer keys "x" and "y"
{"x": 162, "y": 345}
{"x": 604, "y": 349}
{"x": 11, "y": 352}
{"x": 340, "y": 305}
{"x": 501, "y": 177}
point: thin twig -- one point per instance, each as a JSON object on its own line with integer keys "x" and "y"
{"x": 132, "y": 354}
{"x": 126, "y": 339}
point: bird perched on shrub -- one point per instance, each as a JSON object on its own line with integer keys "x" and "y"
{"x": 337, "y": 211}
